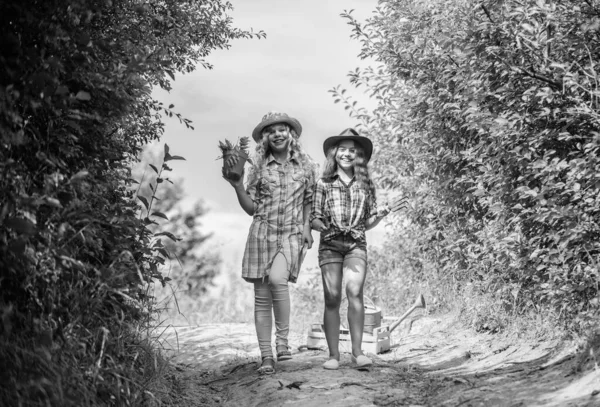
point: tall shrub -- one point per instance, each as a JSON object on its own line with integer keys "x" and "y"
{"x": 75, "y": 257}
{"x": 488, "y": 115}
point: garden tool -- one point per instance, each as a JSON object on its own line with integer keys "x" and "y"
{"x": 419, "y": 303}
{"x": 376, "y": 337}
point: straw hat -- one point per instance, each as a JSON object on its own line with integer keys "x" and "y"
{"x": 350, "y": 134}
{"x": 273, "y": 118}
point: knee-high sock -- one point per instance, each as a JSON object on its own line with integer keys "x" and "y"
{"x": 280, "y": 293}
{"x": 263, "y": 317}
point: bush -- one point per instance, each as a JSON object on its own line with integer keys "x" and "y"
{"x": 76, "y": 259}
{"x": 488, "y": 119}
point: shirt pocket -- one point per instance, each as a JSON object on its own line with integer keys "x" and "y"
{"x": 271, "y": 176}
{"x": 298, "y": 175}
{"x": 335, "y": 195}
{"x": 267, "y": 183}
{"x": 298, "y": 180}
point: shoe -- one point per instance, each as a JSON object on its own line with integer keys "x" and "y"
{"x": 361, "y": 360}
{"x": 331, "y": 364}
{"x": 284, "y": 353}
{"x": 267, "y": 367}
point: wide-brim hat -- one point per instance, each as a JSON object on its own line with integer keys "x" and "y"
{"x": 274, "y": 118}
{"x": 350, "y": 134}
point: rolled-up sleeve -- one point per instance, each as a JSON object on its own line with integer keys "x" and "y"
{"x": 318, "y": 201}
{"x": 252, "y": 186}
{"x": 371, "y": 205}
{"x": 309, "y": 192}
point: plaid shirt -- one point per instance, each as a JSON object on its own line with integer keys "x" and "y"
{"x": 280, "y": 192}
{"x": 343, "y": 207}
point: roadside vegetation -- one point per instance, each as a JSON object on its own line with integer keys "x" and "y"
{"x": 488, "y": 120}
{"x": 81, "y": 246}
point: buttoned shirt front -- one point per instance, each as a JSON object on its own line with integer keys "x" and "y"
{"x": 343, "y": 207}
{"x": 280, "y": 192}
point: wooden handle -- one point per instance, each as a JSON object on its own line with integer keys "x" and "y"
{"x": 419, "y": 303}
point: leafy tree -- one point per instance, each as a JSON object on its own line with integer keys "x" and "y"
{"x": 488, "y": 117}
{"x": 191, "y": 269}
{"x": 76, "y": 261}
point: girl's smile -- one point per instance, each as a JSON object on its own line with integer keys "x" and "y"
{"x": 278, "y": 136}
{"x": 345, "y": 155}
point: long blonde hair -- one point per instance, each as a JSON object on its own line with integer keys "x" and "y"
{"x": 361, "y": 169}
{"x": 309, "y": 167}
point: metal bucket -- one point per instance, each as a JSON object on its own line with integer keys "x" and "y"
{"x": 372, "y": 315}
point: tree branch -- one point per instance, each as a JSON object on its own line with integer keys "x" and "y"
{"x": 487, "y": 13}
{"x": 541, "y": 78}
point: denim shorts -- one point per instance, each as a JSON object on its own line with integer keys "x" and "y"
{"x": 340, "y": 248}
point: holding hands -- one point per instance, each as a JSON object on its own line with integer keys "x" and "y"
{"x": 319, "y": 225}
{"x": 307, "y": 239}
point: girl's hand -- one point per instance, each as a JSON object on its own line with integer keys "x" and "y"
{"x": 319, "y": 226}
{"x": 307, "y": 238}
{"x": 383, "y": 211}
{"x": 235, "y": 184}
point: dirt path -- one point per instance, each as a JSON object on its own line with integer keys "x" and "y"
{"x": 436, "y": 363}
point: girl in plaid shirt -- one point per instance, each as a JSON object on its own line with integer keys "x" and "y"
{"x": 344, "y": 207}
{"x": 279, "y": 197}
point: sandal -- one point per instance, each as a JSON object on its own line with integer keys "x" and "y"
{"x": 283, "y": 354}
{"x": 267, "y": 367}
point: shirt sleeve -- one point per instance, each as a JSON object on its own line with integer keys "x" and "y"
{"x": 252, "y": 186}
{"x": 309, "y": 192}
{"x": 318, "y": 201}
{"x": 371, "y": 204}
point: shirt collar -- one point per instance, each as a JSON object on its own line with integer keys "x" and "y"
{"x": 337, "y": 177}
{"x": 291, "y": 157}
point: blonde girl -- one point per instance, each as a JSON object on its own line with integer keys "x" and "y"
{"x": 278, "y": 196}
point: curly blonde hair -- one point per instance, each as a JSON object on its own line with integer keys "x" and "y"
{"x": 361, "y": 169}
{"x": 309, "y": 167}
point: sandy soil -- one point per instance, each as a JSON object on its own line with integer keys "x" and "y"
{"x": 433, "y": 361}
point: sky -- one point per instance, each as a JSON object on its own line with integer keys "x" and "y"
{"x": 308, "y": 51}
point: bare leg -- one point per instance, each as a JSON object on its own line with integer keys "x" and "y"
{"x": 332, "y": 290}
{"x": 355, "y": 272}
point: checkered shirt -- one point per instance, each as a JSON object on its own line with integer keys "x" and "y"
{"x": 280, "y": 192}
{"x": 344, "y": 207}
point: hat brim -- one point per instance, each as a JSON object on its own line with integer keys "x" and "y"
{"x": 364, "y": 142}
{"x": 293, "y": 123}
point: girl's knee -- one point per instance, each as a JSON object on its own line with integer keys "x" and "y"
{"x": 261, "y": 301}
{"x": 261, "y": 292}
{"x": 354, "y": 294}
{"x": 333, "y": 300}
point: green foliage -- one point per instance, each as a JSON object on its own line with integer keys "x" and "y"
{"x": 191, "y": 268}
{"x": 488, "y": 116}
{"x": 76, "y": 261}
